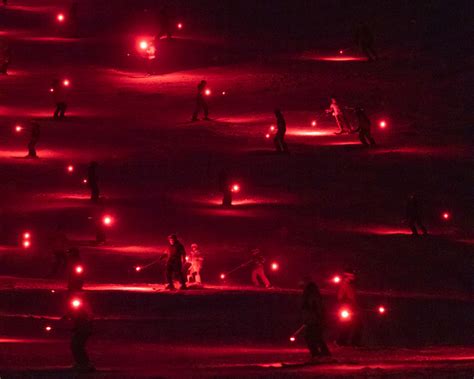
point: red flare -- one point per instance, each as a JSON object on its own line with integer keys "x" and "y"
{"x": 222, "y": 276}
{"x": 60, "y": 17}
{"x": 446, "y": 216}
{"x": 18, "y": 128}
{"x": 383, "y": 124}
{"x": 70, "y": 168}
{"x": 336, "y": 279}
{"x": 138, "y": 268}
{"x": 235, "y": 188}
{"x": 79, "y": 269}
{"x": 26, "y": 244}
{"x": 107, "y": 220}
{"x": 48, "y": 328}
{"x": 313, "y": 123}
{"x": 345, "y": 314}
{"x": 381, "y": 309}
{"x": 208, "y": 92}
{"x": 66, "y": 82}
{"x": 179, "y": 25}
{"x": 292, "y": 339}
{"x": 143, "y": 45}
{"x": 275, "y": 266}
{"x": 76, "y": 303}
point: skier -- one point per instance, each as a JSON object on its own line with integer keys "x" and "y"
{"x": 364, "y": 124}
{"x": 365, "y": 40}
{"x": 195, "y": 259}
{"x": 81, "y": 317}
{"x": 59, "y": 245}
{"x": 200, "y": 102}
{"x": 225, "y": 188}
{"x": 75, "y": 270}
{"x": 35, "y": 135}
{"x": 164, "y": 24}
{"x": 279, "y": 140}
{"x": 174, "y": 265}
{"x": 413, "y": 214}
{"x": 351, "y": 330}
{"x": 92, "y": 181}
{"x": 258, "y": 270}
{"x": 5, "y": 57}
{"x": 313, "y": 315}
{"x": 59, "y": 99}
{"x": 73, "y": 19}
{"x": 341, "y": 120}
{"x": 150, "y": 56}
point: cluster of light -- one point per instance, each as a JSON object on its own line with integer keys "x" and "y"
{"x": 70, "y": 168}
{"x": 79, "y": 269}
{"x": 314, "y": 123}
{"x": 60, "y": 17}
{"x": 107, "y": 220}
{"x": 344, "y": 314}
{"x": 336, "y": 279}
{"x": 275, "y": 266}
{"x": 446, "y": 216}
{"x": 235, "y": 188}
{"x": 76, "y": 303}
{"x": 383, "y": 124}
{"x": 207, "y": 92}
{"x": 271, "y": 130}
{"x": 26, "y": 240}
{"x": 222, "y": 276}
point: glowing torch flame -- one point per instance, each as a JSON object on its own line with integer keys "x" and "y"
{"x": 292, "y": 339}
{"x": 143, "y": 45}
{"x": 79, "y": 269}
{"x": 66, "y": 82}
{"x": 26, "y": 244}
{"x": 208, "y": 92}
{"x": 345, "y": 314}
{"x": 26, "y": 235}
{"x": 313, "y": 123}
{"x": 180, "y": 25}
{"x": 383, "y": 124}
{"x": 138, "y": 268}
{"x": 275, "y": 266}
{"x": 70, "y": 168}
{"x": 48, "y": 328}
{"x": 107, "y": 220}
{"x": 222, "y": 276}
{"x": 60, "y": 17}
{"x": 381, "y": 309}
{"x": 18, "y": 128}
{"x": 446, "y": 216}
{"x": 235, "y": 188}
{"x": 336, "y": 279}
{"x": 76, "y": 303}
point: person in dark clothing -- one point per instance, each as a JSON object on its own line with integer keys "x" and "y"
{"x": 174, "y": 265}
{"x": 92, "y": 181}
{"x": 225, "y": 188}
{"x": 164, "y": 24}
{"x": 73, "y": 19}
{"x": 35, "y": 135}
{"x": 57, "y": 91}
{"x": 5, "y": 57}
{"x": 279, "y": 140}
{"x": 200, "y": 102}
{"x": 75, "y": 270}
{"x": 313, "y": 318}
{"x": 364, "y": 126}
{"x": 81, "y": 317}
{"x": 413, "y": 214}
{"x": 365, "y": 40}
{"x": 351, "y": 329}
{"x": 258, "y": 269}
{"x": 59, "y": 244}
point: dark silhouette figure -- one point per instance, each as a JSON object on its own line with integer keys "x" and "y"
{"x": 92, "y": 181}
{"x": 200, "y": 102}
{"x": 59, "y": 245}
{"x": 57, "y": 91}
{"x": 351, "y": 329}
{"x": 5, "y": 57}
{"x": 365, "y": 40}
{"x": 313, "y": 317}
{"x": 414, "y": 215}
{"x": 340, "y": 116}
{"x": 73, "y": 18}
{"x": 75, "y": 270}
{"x": 35, "y": 135}
{"x": 225, "y": 188}
{"x": 258, "y": 269}
{"x": 279, "y": 140}
{"x": 364, "y": 126}
{"x": 164, "y": 24}
{"x": 81, "y": 318}
{"x": 174, "y": 265}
